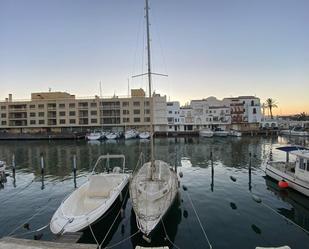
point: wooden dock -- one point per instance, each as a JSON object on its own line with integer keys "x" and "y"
{"x": 9, "y": 243}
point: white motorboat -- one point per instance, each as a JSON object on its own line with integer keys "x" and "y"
{"x": 235, "y": 133}
{"x": 94, "y": 136}
{"x": 296, "y": 131}
{"x": 129, "y": 134}
{"x": 293, "y": 174}
{"x": 220, "y": 133}
{"x": 112, "y": 135}
{"x": 2, "y": 166}
{"x": 206, "y": 133}
{"x": 155, "y": 185}
{"x": 144, "y": 135}
{"x": 91, "y": 200}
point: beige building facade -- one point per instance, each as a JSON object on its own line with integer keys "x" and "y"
{"x": 61, "y": 111}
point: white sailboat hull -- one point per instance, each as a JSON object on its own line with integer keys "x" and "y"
{"x": 88, "y": 203}
{"x": 144, "y": 135}
{"x": 130, "y": 134}
{"x": 221, "y": 133}
{"x": 94, "y": 136}
{"x": 152, "y": 199}
{"x": 206, "y": 133}
{"x": 111, "y": 136}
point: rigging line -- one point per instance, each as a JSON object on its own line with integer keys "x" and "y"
{"x": 167, "y": 237}
{"x": 93, "y": 235}
{"x": 114, "y": 219}
{"x": 18, "y": 192}
{"x": 120, "y": 242}
{"x": 31, "y": 217}
{"x": 198, "y": 218}
{"x": 285, "y": 218}
{"x": 33, "y": 231}
{"x": 137, "y": 41}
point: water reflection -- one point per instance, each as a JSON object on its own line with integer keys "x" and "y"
{"x": 299, "y": 209}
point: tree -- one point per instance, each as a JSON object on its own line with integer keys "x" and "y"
{"x": 270, "y": 104}
{"x": 302, "y": 116}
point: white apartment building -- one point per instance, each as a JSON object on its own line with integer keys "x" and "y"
{"x": 173, "y": 115}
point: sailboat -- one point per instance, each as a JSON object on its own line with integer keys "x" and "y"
{"x": 154, "y": 186}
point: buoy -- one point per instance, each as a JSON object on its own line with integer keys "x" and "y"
{"x": 233, "y": 178}
{"x": 180, "y": 174}
{"x": 184, "y": 187}
{"x": 283, "y": 184}
{"x": 256, "y": 199}
{"x": 147, "y": 239}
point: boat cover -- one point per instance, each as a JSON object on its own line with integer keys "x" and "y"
{"x": 291, "y": 148}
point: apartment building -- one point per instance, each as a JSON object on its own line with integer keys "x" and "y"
{"x": 61, "y": 111}
{"x": 173, "y": 115}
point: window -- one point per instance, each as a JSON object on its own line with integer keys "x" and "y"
{"x": 72, "y": 113}
{"x": 83, "y": 104}
{"x": 94, "y": 120}
{"x": 125, "y": 112}
{"x": 72, "y": 121}
{"x": 169, "y": 104}
{"x": 136, "y": 111}
{"x": 147, "y": 111}
{"x": 126, "y": 120}
{"x": 32, "y": 106}
{"x": 254, "y": 110}
{"x": 252, "y": 103}
{"x": 41, "y": 106}
{"x": 93, "y": 113}
{"x": 3, "y": 107}
{"x": 61, "y": 105}
{"x": 136, "y": 103}
{"x": 170, "y": 112}
{"x": 41, "y": 121}
{"x": 62, "y": 121}
{"x": 3, "y": 123}
{"x": 32, "y": 122}
{"x": 3, "y": 115}
{"x": 125, "y": 103}
{"x": 137, "y": 120}
{"x": 302, "y": 164}
{"x": 32, "y": 114}
{"x": 61, "y": 114}
{"x": 169, "y": 120}
{"x": 147, "y": 119}
{"x": 307, "y": 164}
{"x": 147, "y": 103}
{"x": 72, "y": 105}
{"x": 93, "y": 104}
{"x": 41, "y": 114}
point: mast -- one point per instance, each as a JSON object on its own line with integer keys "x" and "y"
{"x": 149, "y": 82}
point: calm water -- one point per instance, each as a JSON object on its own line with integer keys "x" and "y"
{"x": 231, "y": 218}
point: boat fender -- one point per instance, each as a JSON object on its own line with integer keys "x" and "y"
{"x": 121, "y": 212}
{"x": 180, "y": 174}
{"x": 147, "y": 239}
{"x": 256, "y": 199}
{"x": 283, "y": 184}
{"x": 26, "y": 226}
{"x": 184, "y": 188}
{"x": 120, "y": 197}
{"x": 280, "y": 247}
{"x": 233, "y": 178}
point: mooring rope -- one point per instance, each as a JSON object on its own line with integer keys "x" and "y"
{"x": 33, "y": 231}
{"x": 120, "y": 242}
{"x": 167, "y": 237}
{"x": 114, "y": 219}
{"x": 198, "y": 218}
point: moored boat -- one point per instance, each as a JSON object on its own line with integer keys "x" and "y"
{"x": 112, "y": 135}
{"x": 206, "y": 133}
{"x": 94, "y": 136}
{"x": 91, "y": 200}
{"x": 293, "y": 174}
{"x": 144, "y": 135}
{"x": 220, "y": 133}
{"x": 235, "y": 133}
{"x": 129, "y": 134}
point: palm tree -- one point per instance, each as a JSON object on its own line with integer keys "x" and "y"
{"x": 270, "y": 104}
{"x": 302, "y": 116}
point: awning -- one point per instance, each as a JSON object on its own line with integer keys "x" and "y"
{"x": 291, "y": 148}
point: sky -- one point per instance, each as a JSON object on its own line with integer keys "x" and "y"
{"x": 216, "y": 48}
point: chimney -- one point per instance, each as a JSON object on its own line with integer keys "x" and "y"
{"x": 10, "y": 97}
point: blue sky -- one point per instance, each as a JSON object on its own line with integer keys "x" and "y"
{"x": 212, "y": 47}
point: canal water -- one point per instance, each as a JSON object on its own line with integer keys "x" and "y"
{"x": 225, "y": 208}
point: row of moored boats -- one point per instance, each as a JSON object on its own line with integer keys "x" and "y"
{"x": 129, "y": 134}
{"x": 219, "y": 133}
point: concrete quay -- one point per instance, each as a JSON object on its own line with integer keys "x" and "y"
{"x": 9, "y": 243}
